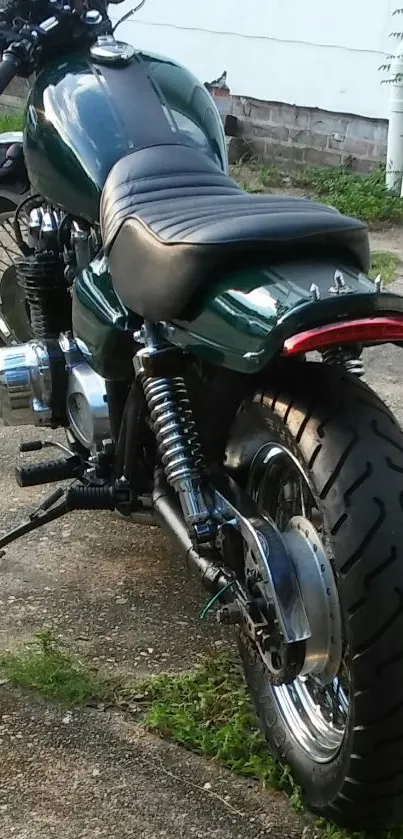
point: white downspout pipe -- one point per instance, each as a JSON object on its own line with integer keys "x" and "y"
{"x": 394, "y": 163}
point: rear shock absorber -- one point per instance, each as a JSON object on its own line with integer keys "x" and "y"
{"x": 41, "y": 276}
{"x": 176, "y": 433}
{"x": 347, "y": 359}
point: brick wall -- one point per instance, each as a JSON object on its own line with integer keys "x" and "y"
{"x": 308, "y": 136}
{"x": 285, "y": 133}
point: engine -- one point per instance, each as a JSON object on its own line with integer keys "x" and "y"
{"x": 48, "y": 381}
{"x": 50, "y": 384}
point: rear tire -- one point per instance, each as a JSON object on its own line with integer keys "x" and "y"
{"x": 351, "y": 447}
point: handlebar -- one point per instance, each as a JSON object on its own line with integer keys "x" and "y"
{"x": 26, "y": 46}
{"x": 8, "y": 70}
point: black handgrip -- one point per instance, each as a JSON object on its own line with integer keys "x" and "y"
{"x": 49, "y": 471}
{"x": 8, "y": 69}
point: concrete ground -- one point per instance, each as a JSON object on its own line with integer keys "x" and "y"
{"x": 119, "y": 595}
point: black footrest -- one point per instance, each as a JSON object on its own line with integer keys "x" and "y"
{"x": 91, "y": 498}
{"x": 48, "y": 472}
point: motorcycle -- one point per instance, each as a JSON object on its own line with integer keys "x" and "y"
{"x": 172, "y": 319}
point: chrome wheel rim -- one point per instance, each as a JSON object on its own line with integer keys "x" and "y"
{"x": 315, "y": 706}
{"x": 315, "y": 717}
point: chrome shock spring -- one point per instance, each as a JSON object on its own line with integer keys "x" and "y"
{"x": 180, "y": 451}
{"x": 339, "y": 357}
{"x": 175, "y": 429}
{"x": 158, "y": 366}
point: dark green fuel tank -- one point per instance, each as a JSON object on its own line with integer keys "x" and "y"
{"x": 82, "y": 117}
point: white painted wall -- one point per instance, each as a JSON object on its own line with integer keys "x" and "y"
{"x": 318, "y": 53}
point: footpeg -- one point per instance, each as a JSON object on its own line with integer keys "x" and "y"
{"x": 93, "y": 498}
{"x": 50, "y": 471}
{"x": 61, "y": 502}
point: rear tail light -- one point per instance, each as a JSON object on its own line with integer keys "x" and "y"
{"x": 378, "y": 330}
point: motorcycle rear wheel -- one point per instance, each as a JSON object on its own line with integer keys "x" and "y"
{"x": 349, "y": 447}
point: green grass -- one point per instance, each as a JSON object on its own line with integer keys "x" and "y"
{"x": 361, "y": 196}
{"x": 386, "y": 264}
{"x": 11, "y": 122}
{"x": 207, "y": 711}
{"x": 52, "y": 673}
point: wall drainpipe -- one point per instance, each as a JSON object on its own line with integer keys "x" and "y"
{"x": 394, "y": 164}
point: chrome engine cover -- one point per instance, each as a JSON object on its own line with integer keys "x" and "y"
{"x": 25, "y": 385}
{"x": 87, "y": 406}
{"x": 26, "y": 391}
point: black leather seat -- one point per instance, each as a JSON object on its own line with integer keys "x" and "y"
{"x": 173, "y": 222}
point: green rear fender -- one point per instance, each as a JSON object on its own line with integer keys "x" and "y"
{"x": 244, "y": 321}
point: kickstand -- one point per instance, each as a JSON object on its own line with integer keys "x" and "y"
{"x": 44, "y": 514}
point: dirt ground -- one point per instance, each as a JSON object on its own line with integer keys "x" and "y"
{"x": 119, "y": 595}
{"x": 389, "y": 239}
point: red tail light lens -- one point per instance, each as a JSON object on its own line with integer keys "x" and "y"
{"x": 378, "y": 330}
